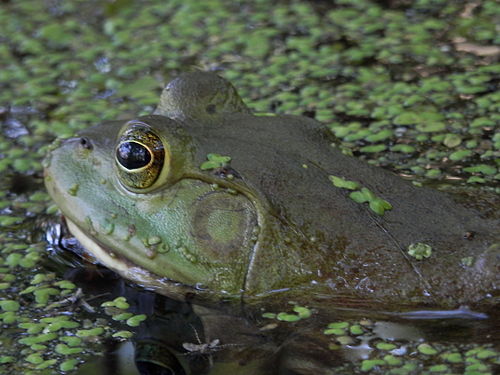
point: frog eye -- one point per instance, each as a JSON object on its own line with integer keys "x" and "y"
{"x": 139, "y": 157}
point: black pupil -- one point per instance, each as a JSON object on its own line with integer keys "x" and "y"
{"x": 133, "y": 155}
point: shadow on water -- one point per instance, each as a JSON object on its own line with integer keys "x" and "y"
{"x": 345, "y": 336}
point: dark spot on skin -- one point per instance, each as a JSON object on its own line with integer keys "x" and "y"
{"x": 85, "y": 143}
{"x": 131, "y": 229}
{"x": 211, "y": 109}
{"x": 469, "y": 235}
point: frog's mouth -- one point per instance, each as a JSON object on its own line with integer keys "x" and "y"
{"x": 131, "y": 271}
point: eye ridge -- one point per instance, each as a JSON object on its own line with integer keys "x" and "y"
{"x": 134, "y": 158}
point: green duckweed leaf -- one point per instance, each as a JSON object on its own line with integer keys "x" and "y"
{"x": 285, "y": 317}
{"x": 481, "y": 168}
{"x": 379, "y": 206}
{"x": 420, "y": 250}
{"x": 9, "y": 305}
{"x": 426, "y": 349}
{"x": 302, "y": 312}
{"x": 136, "y": 320}
{"x": 269, "y": 315}
{"x": 343, "y": 183}
{"x": 215, "y": 161}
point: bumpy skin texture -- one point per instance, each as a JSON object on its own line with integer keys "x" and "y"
{"x": 276, "y": 223}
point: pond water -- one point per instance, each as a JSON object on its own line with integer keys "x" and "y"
{"x": 409, "y": 86}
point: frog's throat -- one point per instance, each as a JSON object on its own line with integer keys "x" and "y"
{"x": 127, "y": 269}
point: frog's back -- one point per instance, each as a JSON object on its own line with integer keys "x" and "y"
{"x": 289, "y": 159}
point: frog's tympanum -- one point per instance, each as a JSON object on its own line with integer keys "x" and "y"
{"x": 204, "y": 196}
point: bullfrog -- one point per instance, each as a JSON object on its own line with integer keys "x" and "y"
{"x": 205, "y": 197}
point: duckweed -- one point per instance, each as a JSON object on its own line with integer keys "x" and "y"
{"x": 269, "y": 315}
{"x": 343, "y": 183}
{"x": 42, "y": 295}
{"x": 14, "y": 259}
{"x": 136, "y": 320}
{"x": 66, "y": 350}
{"x": 481, "y": 168}
{"x": 71, "y": 340}
{"x": 38, "y": 278}
{"x": 356, "y": 330}
{"x": 426, "y": 349}
{"x": 476, "y": 179}
{"x": 377, "y": 205}
{"x": 288, "y": 317}
{"x": 361, "y": 194}
{"x": 336, "y": 328}
{"x": 407, "y": 149}
{"x": 438, "y": 368}
{"x": 123, "y": 334}
{"x": 215, "y": 161}
{"x": 420, "y": 250}
{"x": 302, "y": 312}
{"x": 334, "y": 331}
{"x": 392, "y": 360}
{"x": 68, "y": 365}
{"x": 119, "y": 302}
{"x": 345, "y": 65}
{"x": 122, "y": 316}
{"x": 8, "y": 317}
{"x": 373, "y": 148}
{"x": 487, "y": 353}
{"x": 90, "y": 332}
{"x": 65, "y": 284}
{"x": 34, "y": 358}
{"x": 452, "y": 357}
{"x": 452, "y": 140}
{"x": 6, "y": 221}
{"x": 45, "y": 364}
{"x": 9, "y": 305}
{"x": 44, "y": 337}
{"x": 6, "y": 359}
{"x": 56, "y": 326}
{"x": 340, "y": 325}
{"x": 370, "y": 364}
{"x": 460, "y": 155}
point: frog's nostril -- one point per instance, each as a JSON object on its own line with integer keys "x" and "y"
{"x": 85, "y": 143}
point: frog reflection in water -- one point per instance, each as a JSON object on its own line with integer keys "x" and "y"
{"x": 139, "y": 195}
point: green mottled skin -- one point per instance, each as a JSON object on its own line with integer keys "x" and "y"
{"x": 275, "y": 224}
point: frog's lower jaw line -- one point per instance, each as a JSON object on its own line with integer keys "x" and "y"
{"x": 127, "y": 269}
{"x": 116, "y": 264}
